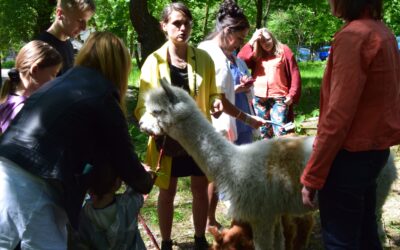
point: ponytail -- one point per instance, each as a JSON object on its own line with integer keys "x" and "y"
{"x": 10, "y": 85}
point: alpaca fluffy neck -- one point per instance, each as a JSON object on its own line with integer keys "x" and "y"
{"x": 208, "y": 148}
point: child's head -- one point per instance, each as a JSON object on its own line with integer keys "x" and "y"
{"x": 103, "y": 180}
{"x": 36, "y": 63}
{"x": 73, "y": 15}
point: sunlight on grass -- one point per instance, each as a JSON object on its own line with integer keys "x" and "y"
{"x": 311, "y": 77}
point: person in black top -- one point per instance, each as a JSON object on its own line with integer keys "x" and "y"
{"x": 71, "y": 18}
{"x": 76, "y": 120}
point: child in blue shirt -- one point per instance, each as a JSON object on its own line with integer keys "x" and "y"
{"x": 109, "y": 220}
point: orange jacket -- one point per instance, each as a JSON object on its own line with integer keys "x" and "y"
{"x": 360, "y": 97}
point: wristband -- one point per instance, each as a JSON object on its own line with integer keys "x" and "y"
{"x": 247, "y": 119}
{"x": 237, "y": 116}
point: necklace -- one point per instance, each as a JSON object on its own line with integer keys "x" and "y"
{"x": 178, "y": 62}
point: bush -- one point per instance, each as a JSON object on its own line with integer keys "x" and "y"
{"x": 8, "y": 64}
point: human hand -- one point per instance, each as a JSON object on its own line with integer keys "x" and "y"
{"x": 246, "y": 82}
{"x": 256, "y": 36}
{"x": 308, "y": 195}
{"x": 288, "y": 100}
{"x": 217, "y": 108}
{"x": 152, "y": 173}
{"x": 254, "y": 121}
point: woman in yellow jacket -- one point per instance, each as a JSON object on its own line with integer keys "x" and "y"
{"x": 193, "y": 70}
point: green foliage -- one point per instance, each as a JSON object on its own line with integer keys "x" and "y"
{"x": 392, "y": 15}
{"x": 113, "y": 16}
{"x": 308, "y": 107}
{"x": 8, "y": 64}
{"x": 139, "y": 139}
{"x": 301, "y": 25}
{"x": 21, "y": 20}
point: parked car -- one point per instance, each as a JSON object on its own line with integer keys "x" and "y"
{"x": 323, "y": 52}
{"x": 303, "y": 54}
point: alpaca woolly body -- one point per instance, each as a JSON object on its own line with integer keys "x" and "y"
{"x": 261, "y": 179}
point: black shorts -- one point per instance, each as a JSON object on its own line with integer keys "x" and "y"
{"x": 183, "y": 166}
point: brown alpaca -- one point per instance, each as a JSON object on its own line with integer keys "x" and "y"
{"x": 238, "y": 237}
{"x": 296, "y": 230}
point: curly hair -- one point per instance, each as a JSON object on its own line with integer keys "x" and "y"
{"x": 230, "y": 16}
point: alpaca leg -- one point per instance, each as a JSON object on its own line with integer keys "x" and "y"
{"x": 289, "y": 231}
{"x": 279, "y": 239}
{"x": 304, "y": 226}
{"x": 263, "y": 235}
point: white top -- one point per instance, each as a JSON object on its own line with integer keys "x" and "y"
{"x": 225, "y": 124}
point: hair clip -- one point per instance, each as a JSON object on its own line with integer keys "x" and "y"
{"x": 13, "y": 74}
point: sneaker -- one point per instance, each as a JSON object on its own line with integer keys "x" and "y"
{"x": 200, "y": 243}
{"x": 166, "y": 245}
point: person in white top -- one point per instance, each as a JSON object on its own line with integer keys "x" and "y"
{"x": 230, "y": 32}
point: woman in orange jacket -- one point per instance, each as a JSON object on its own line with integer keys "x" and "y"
{"x": 359, "y": 120}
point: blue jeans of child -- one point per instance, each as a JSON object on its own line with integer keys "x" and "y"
{"x": 347, "y": 201}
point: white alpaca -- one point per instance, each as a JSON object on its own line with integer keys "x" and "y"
{"x": 261, "y": 179}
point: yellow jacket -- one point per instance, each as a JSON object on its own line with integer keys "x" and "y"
{"x": 202, "y": 88}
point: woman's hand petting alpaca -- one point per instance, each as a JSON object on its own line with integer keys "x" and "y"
{"x": 217, "y": 108}
{"x": 309, "y": 197}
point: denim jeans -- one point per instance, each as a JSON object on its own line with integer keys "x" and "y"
{"x": 347, "y": 201}
{"x": 28, "y": 213}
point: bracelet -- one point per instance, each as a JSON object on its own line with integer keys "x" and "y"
{"x": 237, "y": 116}
{"x": 247, "y": 119}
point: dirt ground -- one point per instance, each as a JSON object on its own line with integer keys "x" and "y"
{"x": 182, "y": 232}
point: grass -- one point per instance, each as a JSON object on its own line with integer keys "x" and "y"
{"x": 311, "y": 76}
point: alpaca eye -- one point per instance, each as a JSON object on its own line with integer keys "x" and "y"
{"x": 157, "y": 112}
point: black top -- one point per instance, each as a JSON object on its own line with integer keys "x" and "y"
{"x": 180, "y": 77}
{"x": 65, "y": 48}
{"x": 68, "y": 123}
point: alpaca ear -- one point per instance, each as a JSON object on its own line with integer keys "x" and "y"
{"x": 168, "y": 90}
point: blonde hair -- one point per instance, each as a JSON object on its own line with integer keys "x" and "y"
{"x": 33, "y": 53}
{"x": 107, "y": 53}
{"x": 82, "y": 5}
{"x": 277, "y": 48}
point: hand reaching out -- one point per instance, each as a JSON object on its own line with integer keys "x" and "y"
{"x": 217, "y": 108}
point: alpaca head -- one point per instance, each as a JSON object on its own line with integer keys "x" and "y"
{"x": 164, "y": 108}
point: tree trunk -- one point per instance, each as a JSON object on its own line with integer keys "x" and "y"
{"x": 205, "y": 30}
{"x": 259, "y": 4}
{"x": 147, "y": 27}
{"x": 267, "y": 9}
